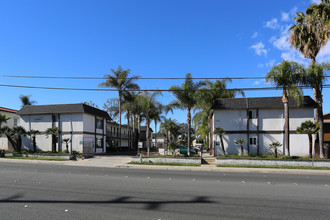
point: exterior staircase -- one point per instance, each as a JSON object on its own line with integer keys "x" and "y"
{"x": 208, "y": 161}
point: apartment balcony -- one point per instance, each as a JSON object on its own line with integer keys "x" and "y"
{"x": 116, "y": 135}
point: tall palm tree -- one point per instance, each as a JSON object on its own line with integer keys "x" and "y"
{"x": 309, "y": 35}
{"x": 3, "y": 119}
{"x": 220, "y": 132}
{"x": 148, "y": 105}
{"x": 287, "y": 76}
{"x": 315, "y": 78}
{"x": 129, "y": 104}
{"x": 25, "y": 99}
{"x": 186, "y": 99}
{"x": 33, "y": 133}
{"x": 121, "y": 81}
{"x": 54, "y": 132}
{"x": 309, "y": 128}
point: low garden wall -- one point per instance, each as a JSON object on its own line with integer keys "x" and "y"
{"x": 269, "y": 162}
{"x": 196, "y": 160}
{"x": 67, "y": 157}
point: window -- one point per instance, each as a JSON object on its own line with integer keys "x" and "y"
{"x": 253, "y": 141}
{"x": 15, "y": 122}
{"x": 55, "y": 118}
{"x": 252, "y": 114}
{"x": 99, "y": 142}
{"x": 99, "y": 123}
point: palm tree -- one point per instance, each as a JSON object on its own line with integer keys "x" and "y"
{"x": 148, "y": 105}
{"x": 25, "y": 99}
{"x": 54, "y": 132}
{"x": 315, "y": 78}
{"x": 287, "y": 75}
{"x": 275, "y": 146}
{"x": 309, "y": 128}
{"x": 240, "y": 142}
{"x": 312, "y": 30}
{"x": 16, "y": 134}
{"x": 309, "y": 35}
{"x": 187, "y": 99}
{"x": 33, "y": 133}
{"x": 5, "y": 130}
{"x": 129, "y": 105}
{"x": 220, "y": 132}
{"x": 171, "y": 128}
{"x": 66, "y": 141}
{"x": 121, "y": 81}
{"x": 3, "y": 119}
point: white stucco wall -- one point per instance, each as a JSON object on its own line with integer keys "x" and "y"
{"x": 89, "y": 123}
{"x": 3, "y": 143}
{"x": 230, "y": 120}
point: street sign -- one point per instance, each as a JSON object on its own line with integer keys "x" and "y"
{"x": 140, "y": 144}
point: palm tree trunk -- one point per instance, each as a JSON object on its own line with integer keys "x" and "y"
{"x": 19, "y": 143}
{"x": 168, "y": 140}
{"x": 139, "y": 127}
{"x": 134, "y": 143}
{"x": 286, "y": 118}
{"x": 189, "y": 125}
{"x": 53, "y": 143}
{"x": 128, "y": 130}
{"x": 34, "y": 144}
{"x": 156, "y": 133}
{"x": 147, "y": 134}
{"x": 319, "y": 101}
{"x": 119, "y": 105}
{"x": 310, "y": 146}
{"x": 318, "y": 114}
{"x": 241, "y": 150}
{"x": 222, "y": 145}
{"x": 275, "y": 150}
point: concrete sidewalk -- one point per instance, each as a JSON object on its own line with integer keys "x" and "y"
{"x": 121, "y": 161}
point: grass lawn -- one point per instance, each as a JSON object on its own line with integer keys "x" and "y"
{"x": 277, "y": 167}
{"x": 267, "y": 157}
{"x": 166, "y": 164}
{"x": 34, "y": 158}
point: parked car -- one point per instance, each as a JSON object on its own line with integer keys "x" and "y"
{"x": 184, "y": 150}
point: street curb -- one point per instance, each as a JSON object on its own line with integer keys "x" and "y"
{"x": 231, "y": 169}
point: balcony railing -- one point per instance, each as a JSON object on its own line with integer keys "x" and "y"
{"x": 116, "y": 135}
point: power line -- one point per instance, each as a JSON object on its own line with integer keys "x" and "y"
{"x": 151, "y": 78}
{"x": 139, "y": 90}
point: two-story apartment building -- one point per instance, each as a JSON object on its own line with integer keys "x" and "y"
{"x": 12, "y": 122}
{"x": 260, "y": 121}
{"x": 84, "y": 125}
{"x": 128, "y": 138}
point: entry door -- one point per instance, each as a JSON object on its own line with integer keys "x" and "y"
{"x": 89, "y": 145}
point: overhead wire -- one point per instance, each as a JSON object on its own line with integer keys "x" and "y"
{"x": 137, "y": 78}
{"x": 140, "y": 90}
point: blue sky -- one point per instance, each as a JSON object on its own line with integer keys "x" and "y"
{"x": 209, "y": 38}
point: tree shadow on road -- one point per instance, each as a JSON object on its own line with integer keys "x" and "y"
{"x": 149, "y": 205}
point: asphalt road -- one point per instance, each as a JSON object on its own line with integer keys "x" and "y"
{"x": 40, "y": 191}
